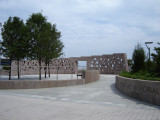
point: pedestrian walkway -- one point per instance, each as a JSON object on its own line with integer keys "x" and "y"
{"x": 36, "y": 77}
{"x": 95, "y": 101}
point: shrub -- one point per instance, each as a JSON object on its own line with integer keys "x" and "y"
{"x": 149, "y": 70}
{"x": 144, "y": 75}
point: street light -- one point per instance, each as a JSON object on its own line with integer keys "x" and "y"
{"x": 148, "y": 47}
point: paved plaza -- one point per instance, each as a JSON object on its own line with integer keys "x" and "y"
{"x": 95, "y": 101}
{"x": 36, "y": 77}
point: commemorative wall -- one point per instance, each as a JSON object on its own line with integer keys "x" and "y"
{"x": 106, "y": 64}
{"x": 60, "y": 66}
{"x": 144, "y": 90}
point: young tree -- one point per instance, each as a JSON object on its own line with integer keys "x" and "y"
{"x": 14, "y": 42}
{"x": 53, "y": 46}
{"x": 156, "y": 60}
{"x": 47, "y": 44}
{"x": 44, "y": 40}
{"x": 56, "y": 44}
{"x": 36, "y": 35}
{"x": 138, "y": 58}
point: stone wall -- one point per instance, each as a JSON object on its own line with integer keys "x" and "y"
{"x": 62, "y": 65}
{"x": 30, "y": 84}
{"x": 92, "y": 76}
{"x": 106, "y": 64}
{"x": 144, "y": 90}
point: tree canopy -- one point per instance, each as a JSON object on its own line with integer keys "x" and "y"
{"x": 138, "y": 58}
{"x": 14, "y": 43}
{"x": 13, "y": 35}
{"x": 38, "y": 39}
{"x": 44, "y": 39}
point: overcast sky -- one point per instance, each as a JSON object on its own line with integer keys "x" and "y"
{"x": 94, "y": 27}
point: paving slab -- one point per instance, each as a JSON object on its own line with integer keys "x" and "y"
{"x": 36, "y": 77}
{"x": 98, "y": 101}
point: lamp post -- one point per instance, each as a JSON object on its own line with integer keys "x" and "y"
{"x": 148, "y": 47}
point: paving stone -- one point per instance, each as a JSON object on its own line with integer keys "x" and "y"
{"x": 95, "y": 101}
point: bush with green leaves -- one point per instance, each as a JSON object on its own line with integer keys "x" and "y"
{"x": 141, "y": 69}
{"x": 143, "y": 75}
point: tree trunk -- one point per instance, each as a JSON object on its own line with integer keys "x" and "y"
{"x": 10, "y": 69}
{"x": 39, "y": 69}
{"x": 45, "y": 68}
{"x": 45, "y": 73}
{"x": 18, "y": 68}
{"x": 48, "y": 69}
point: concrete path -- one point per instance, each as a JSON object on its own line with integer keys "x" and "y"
{"x": 95, "y": 101}
{"x": 36, "y": 77}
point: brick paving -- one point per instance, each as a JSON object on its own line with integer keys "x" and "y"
{"x": 94, "y": 101}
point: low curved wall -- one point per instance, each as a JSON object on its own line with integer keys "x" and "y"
{"x": 144, "y": 90}
{"x": 91, "y": 76}
{"x": 30, "y": 84}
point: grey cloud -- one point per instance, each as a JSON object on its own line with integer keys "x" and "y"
{"x": 94, "y": 26}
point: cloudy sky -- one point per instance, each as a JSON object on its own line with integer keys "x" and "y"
{"x": 94, "y": 27}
